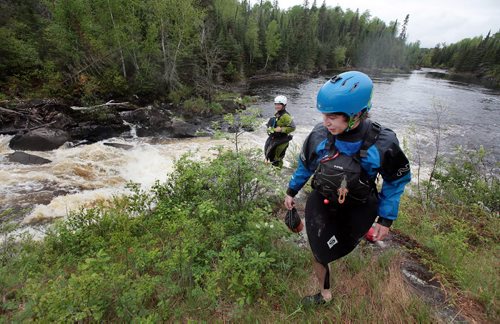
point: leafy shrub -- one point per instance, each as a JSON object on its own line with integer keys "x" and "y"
{"x": 195, "y": 106}
{"x": 205, "y": 237}
{"x": 467, "y": 179}
{"x": 231, "y": 72}
{"x": 176, "y": 96}
{"x": 216, "y": 108}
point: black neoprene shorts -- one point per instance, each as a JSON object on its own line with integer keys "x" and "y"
{"x": 335, "y": 230}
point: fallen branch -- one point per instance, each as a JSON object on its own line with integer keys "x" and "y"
{"x": 40, "y": 126}
{"x": 109, "y": 103}
{"x": 11, "y": 111}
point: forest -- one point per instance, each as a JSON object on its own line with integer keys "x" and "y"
{"x": 90, "y": 50}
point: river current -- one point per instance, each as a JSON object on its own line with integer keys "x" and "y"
{"x": 415, "y": 105}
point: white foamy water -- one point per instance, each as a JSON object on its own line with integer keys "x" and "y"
{"x": 79, "y": 177}
{"x": 61, "y": 206}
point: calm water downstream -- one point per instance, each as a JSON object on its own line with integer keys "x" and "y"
{"x": 410, "y": 104}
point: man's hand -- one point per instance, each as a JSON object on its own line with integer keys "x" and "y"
{"x": 380, "y": 232}
{"x": 289, "y": 203}
{"x": 277, "y": 129}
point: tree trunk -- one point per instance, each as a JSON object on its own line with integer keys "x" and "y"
{"x": 164, "y": 51}
{"x": 267, "y": 60}
{"x": 124, "y": 70}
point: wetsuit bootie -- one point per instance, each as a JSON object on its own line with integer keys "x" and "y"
{"x": 313, "y": 300}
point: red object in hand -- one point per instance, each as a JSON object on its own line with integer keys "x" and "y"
{"x": 370, "y": 235}
{"x": 299, "y": 228}
{"x": 326, "y": 201}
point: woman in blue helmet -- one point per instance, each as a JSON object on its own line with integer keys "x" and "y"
{"x": 344, "y": 155}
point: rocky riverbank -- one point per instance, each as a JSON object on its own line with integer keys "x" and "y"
{"x": 43, "y": 125}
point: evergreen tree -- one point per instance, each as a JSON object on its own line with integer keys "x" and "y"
{"x": 273, "y": 41}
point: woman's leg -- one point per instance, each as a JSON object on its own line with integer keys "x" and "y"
{"x": 323, "y": 274}
{"x": 280, "y": 154}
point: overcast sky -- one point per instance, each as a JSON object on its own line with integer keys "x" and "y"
{"x": 431, "y": 21}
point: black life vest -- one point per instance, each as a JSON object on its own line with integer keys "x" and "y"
{"x": 340, "y": 178}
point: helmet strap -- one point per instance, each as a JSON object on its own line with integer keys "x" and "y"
{"x": 350, "y": 123}
{"x": 353, "y": 119}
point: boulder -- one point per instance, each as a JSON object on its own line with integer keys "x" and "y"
{"x": 94, "y": 133}
{"x": 25, "y": 158}
{"x": 182, "y": 129}
{"x": 149, "y": 120}
{"x": 42, "y": 139}
{"x": 230, "y": 106}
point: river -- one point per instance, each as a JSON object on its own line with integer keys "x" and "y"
{"x": 412, "y": 104}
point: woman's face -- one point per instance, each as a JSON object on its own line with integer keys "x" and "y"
{"x": 278, "y": 106}
{"x": 336, "y": 124}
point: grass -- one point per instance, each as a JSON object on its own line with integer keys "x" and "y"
{"x": 459, "y": 243}
{"x": 360, "y": 296}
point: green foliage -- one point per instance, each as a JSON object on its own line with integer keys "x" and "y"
{"x": 216, "y": 108}
{"x": 180, "y": 94}
{"x": 293, "y": 155}
{"x": 273, "y": 40}
{"x": 238, "y": 123}
{"x": 202, "y": 239}
{"x": 195, "y": 106}
{"x": 154, "y": 48}
{"x": 339, "y": 56}
{"x": 469, "y": 180}
{"x": 478, "y": 55}
{"x": 457, "y": 225}
{"x": 94, "y": 50}
{"x": 231, "y": 73}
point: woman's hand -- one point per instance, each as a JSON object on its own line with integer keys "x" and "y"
{"x": 380, "y": 232}
{"x": 277, "y": 129}
{"x": 289, "y": 202}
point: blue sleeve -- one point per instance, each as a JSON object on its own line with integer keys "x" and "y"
{"x": 387, "y": 159}
{"x": 390, "y": 195}
{"x": 299, "y": 179}
{"x": 394, "y": 168}
{"x": 312, "y": 149}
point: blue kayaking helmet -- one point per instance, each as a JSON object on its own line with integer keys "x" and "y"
{"x": 348, "y": 93}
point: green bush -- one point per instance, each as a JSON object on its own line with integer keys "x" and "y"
{"x": 205, "y": 237}
{"x": 183, "y": 92}
{"x": 195, "y": 106}
{"x": 467, "y": 179}
{"x": 231, "y": 73}
{"x": 216, "y": 108}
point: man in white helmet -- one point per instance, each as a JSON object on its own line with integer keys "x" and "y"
{"x": 279, "y": 128}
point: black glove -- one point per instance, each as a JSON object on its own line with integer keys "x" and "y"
{"x": 292, "y": 220}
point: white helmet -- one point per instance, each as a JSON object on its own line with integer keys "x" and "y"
{"x": 280, "y": 100}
